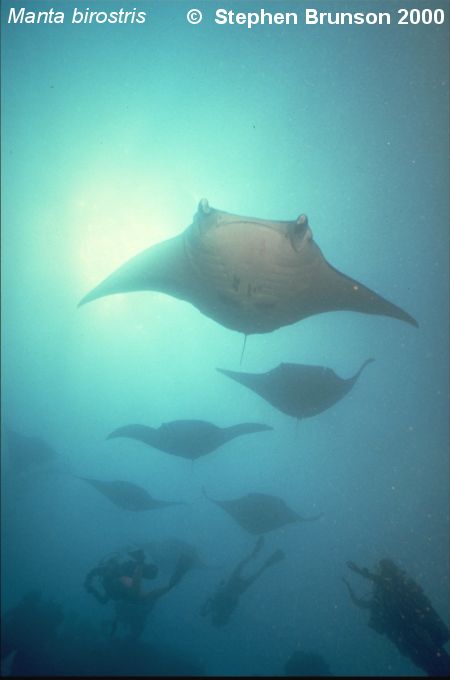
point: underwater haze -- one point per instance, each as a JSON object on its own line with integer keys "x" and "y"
{"x": 111, "y": 136}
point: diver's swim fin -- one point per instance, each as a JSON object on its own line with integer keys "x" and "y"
{"x": 183, "y": 565}
{"x": 277, "y": 556}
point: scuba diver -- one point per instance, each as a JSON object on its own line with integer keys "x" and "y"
{"x": 222, "y": 604}
{"x": 29, "y": 629}
{"x": 122, "y": 582}
{"x": 309, "y": 664}
{"x": 400, "y": 609}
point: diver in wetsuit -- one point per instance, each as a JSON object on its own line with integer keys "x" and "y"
{"x": 29, "y": 629}
{"x": 222, "y": 604}
{"x": 400, "y": 610}
{"x": 122, "y": 582}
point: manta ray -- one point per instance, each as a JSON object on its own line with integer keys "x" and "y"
{"x": 259, "y": 513}
{"x": 127, "y": 495}
{"x": 248, "y": 274}
{"x": 296, "y": 389}
{"x": 24, "y": 452}
{"x": 187, "y": 438}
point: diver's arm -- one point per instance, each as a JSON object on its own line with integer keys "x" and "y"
{"x": 96, "y": 571}
{"x": 359, "y": 602}
{"x": 136, "y": 580}
{"x": 153, "y": 596}
{"x": 362, "y": 571}
{"x": 206, "y": 606}
{"x": 102, "y": 598}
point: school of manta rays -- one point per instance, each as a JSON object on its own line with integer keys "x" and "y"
{"x": 252, "y": 276}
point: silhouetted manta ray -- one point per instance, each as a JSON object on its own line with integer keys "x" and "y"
{"x": 24, "y": 451}
{"x": 247, "y": 274}
{"x": 258, "y": 513}
{"x": 187, "y": 438}
{"x": 296, "y": 389}
{"x": 128, "y": 495}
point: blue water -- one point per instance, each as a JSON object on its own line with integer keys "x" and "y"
{"x": 111, "y": 135}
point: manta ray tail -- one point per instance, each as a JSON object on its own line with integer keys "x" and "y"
{"x": 161, "y": 267}
{"x": 247, "y": 428}
{"x": 243, "y": 349}
{"x": 358, "y": 373}
{"x": 206, "y": 495}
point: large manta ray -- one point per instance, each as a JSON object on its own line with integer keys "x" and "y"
{"x": 24, "y": 451}
{"x": 250, "y": 275}
{"x": 187, "y": 438}
{"x": 296, "y": 389}
{"x": 127, "y": 495}
{"x": 258, "y": 513}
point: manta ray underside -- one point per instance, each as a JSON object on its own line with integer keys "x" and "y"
{"x": 187, "y": 438}
{"x": 298, "y": 390}
{"x": 127, "y": 495}
{"x": 248, "y": 274}
{"x": 259, "y": 513}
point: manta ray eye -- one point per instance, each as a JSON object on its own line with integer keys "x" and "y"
{"x": 204, "y": 206}
{"x": 298, "y": 232}
{"x": 300, "y": 225}
{"x": 302, "y": 221}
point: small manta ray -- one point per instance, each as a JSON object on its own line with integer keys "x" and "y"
{"x": 258, "y": 513}
{"x": 248, "y": 274}
{"x": 24, "y": 451}
{"x": 128, "y": 495}
{"x": 296, "y": 389}
{"x": 187, "y": 438}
